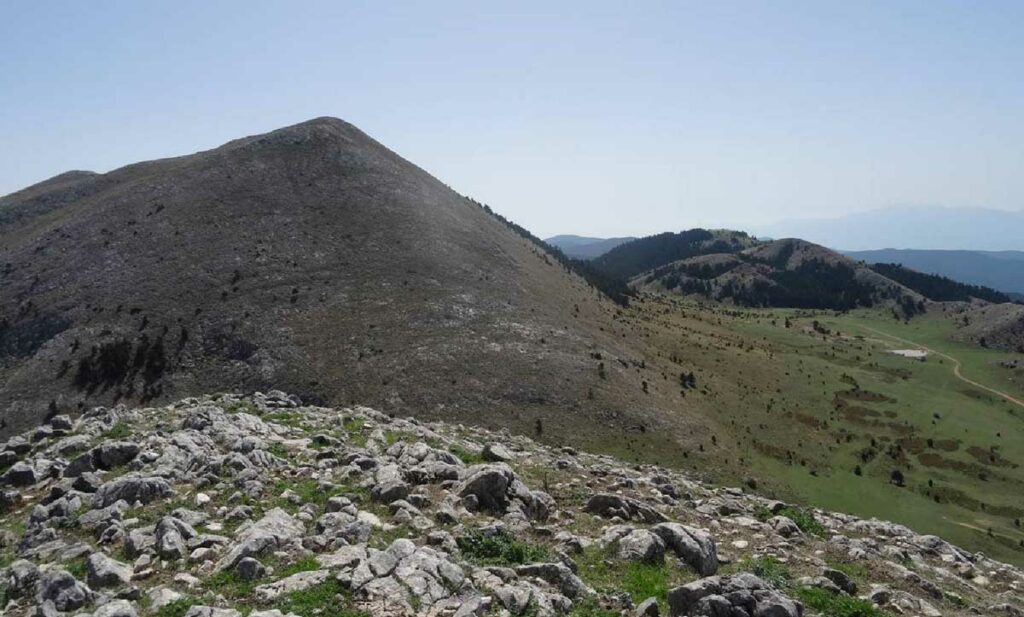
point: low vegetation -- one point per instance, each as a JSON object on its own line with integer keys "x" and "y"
{"x": 831, "y": 604}
{"x": 499, "y": 549}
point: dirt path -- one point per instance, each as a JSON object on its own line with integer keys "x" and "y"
{"x": 956, "y": 365}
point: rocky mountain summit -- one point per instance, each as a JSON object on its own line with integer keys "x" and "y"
{"x": 226, "y": 505}
{"x": 311, "y": 258}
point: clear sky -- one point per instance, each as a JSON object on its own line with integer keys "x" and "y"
{"x": 569, "y": 117}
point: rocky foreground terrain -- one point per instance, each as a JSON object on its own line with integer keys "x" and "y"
{"x": 228, "y": 505}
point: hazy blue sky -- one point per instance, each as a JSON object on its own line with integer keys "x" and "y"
{"x": 587, "y": 117}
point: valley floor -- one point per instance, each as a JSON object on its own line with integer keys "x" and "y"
{"x": 813, "y": 406}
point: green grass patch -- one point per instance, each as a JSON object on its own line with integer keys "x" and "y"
{"x": 318, "y": 601}
{"x": 279, "y": 450}
{"x": 467, "y": 457}
{"x": 769, "y": 569}
{"x": 499, "y": 549}
{"x": 178, "y": 608}
{"x": 120, "y": 430}
{"x": 832, "y": 604}
{"x": 588, "y": 607}
{"x": 231, "y": 585}
{"x": 804, "y": 519}
{"x": 303, "y": 565}
{"x": 382, "y": 538}
{"x": 600, "y": 569}
{"x": 308, "y": 490}
{"x": 855, "y": 571}
{"x": 355, "y": 429}
{"x": 77, "y": 568}
{"x": 646, "y": 580}
{"x": 242, "y": 407}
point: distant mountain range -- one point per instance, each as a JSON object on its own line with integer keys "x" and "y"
{"x": 1002, "y": 270}
{"x": 582, "y": 247}
{"x": 975, "y": 229}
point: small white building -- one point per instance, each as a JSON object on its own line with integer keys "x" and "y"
{"x": 915, "y": 354}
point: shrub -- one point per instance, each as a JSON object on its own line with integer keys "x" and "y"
{"x": 855, "y": 571}
{"x": 836, "y": 605}
{"x": 77, "y": 568}
{"x": 646, "y": 580}
{"x": 231, "y": 585}
{"x": 467, "y": 457}
{"x": 317, "y": 601}
{"x": 769, "y": 569}
{"x": 588, "y": 607}
{"x": 119, "y": 431}
{"x": 804, "y": 519}
{"x": 178, "y": 608}
{"x": 500, "y": 548}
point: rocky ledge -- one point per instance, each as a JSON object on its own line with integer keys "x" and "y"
{"x": 226, "y": 506}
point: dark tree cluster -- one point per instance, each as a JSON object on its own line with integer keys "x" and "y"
{"x": 640, "y": 255}
{"x": 119, "y": 362}
{"x": 814, "y": 284}
{"x": 938, "y": 288}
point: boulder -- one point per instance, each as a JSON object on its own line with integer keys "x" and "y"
{"x": 641, "y": 545}
{"x": 489, "y": 485}
{"x": 695, "y": 547}
{"x": 132, "y": 489}
{"x": 20, "y": 474}
{"x": 296, "y": 582}
{"x": 170, "y": 535}
{"x": 250, "y": 569}
{"x": 210, "y": 611}
{"x": 116, "y": 608}
{"x": 22, "y": 576}
{"x": 610, "y": 505}
{"x": 559, "y": 575}
{"x": 647, "y": 608}
{"x": 275, "y": 531}
{"x": 784, "y": 526}
{"x": 115, "y": 453}
{"x": 66, "y": 593}
{"x": 103, "y": 571}
{"x": 497, "y": 453}
{"x": 161, "y": 596}
{"x": 842, "y": 580}
{"x": 742, "y": 593}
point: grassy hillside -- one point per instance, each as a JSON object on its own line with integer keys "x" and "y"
{"x": 812, "y": 406}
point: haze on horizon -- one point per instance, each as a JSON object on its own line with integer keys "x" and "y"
{"x": 585, "y": 117}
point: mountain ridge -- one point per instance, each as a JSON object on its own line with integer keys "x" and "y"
{"x": 316, "y": 258}
{"x": 1001, "y": 270}
{"x": 582, "y": 247}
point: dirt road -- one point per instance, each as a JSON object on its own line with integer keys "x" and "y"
{"x": 956, "y": 365}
